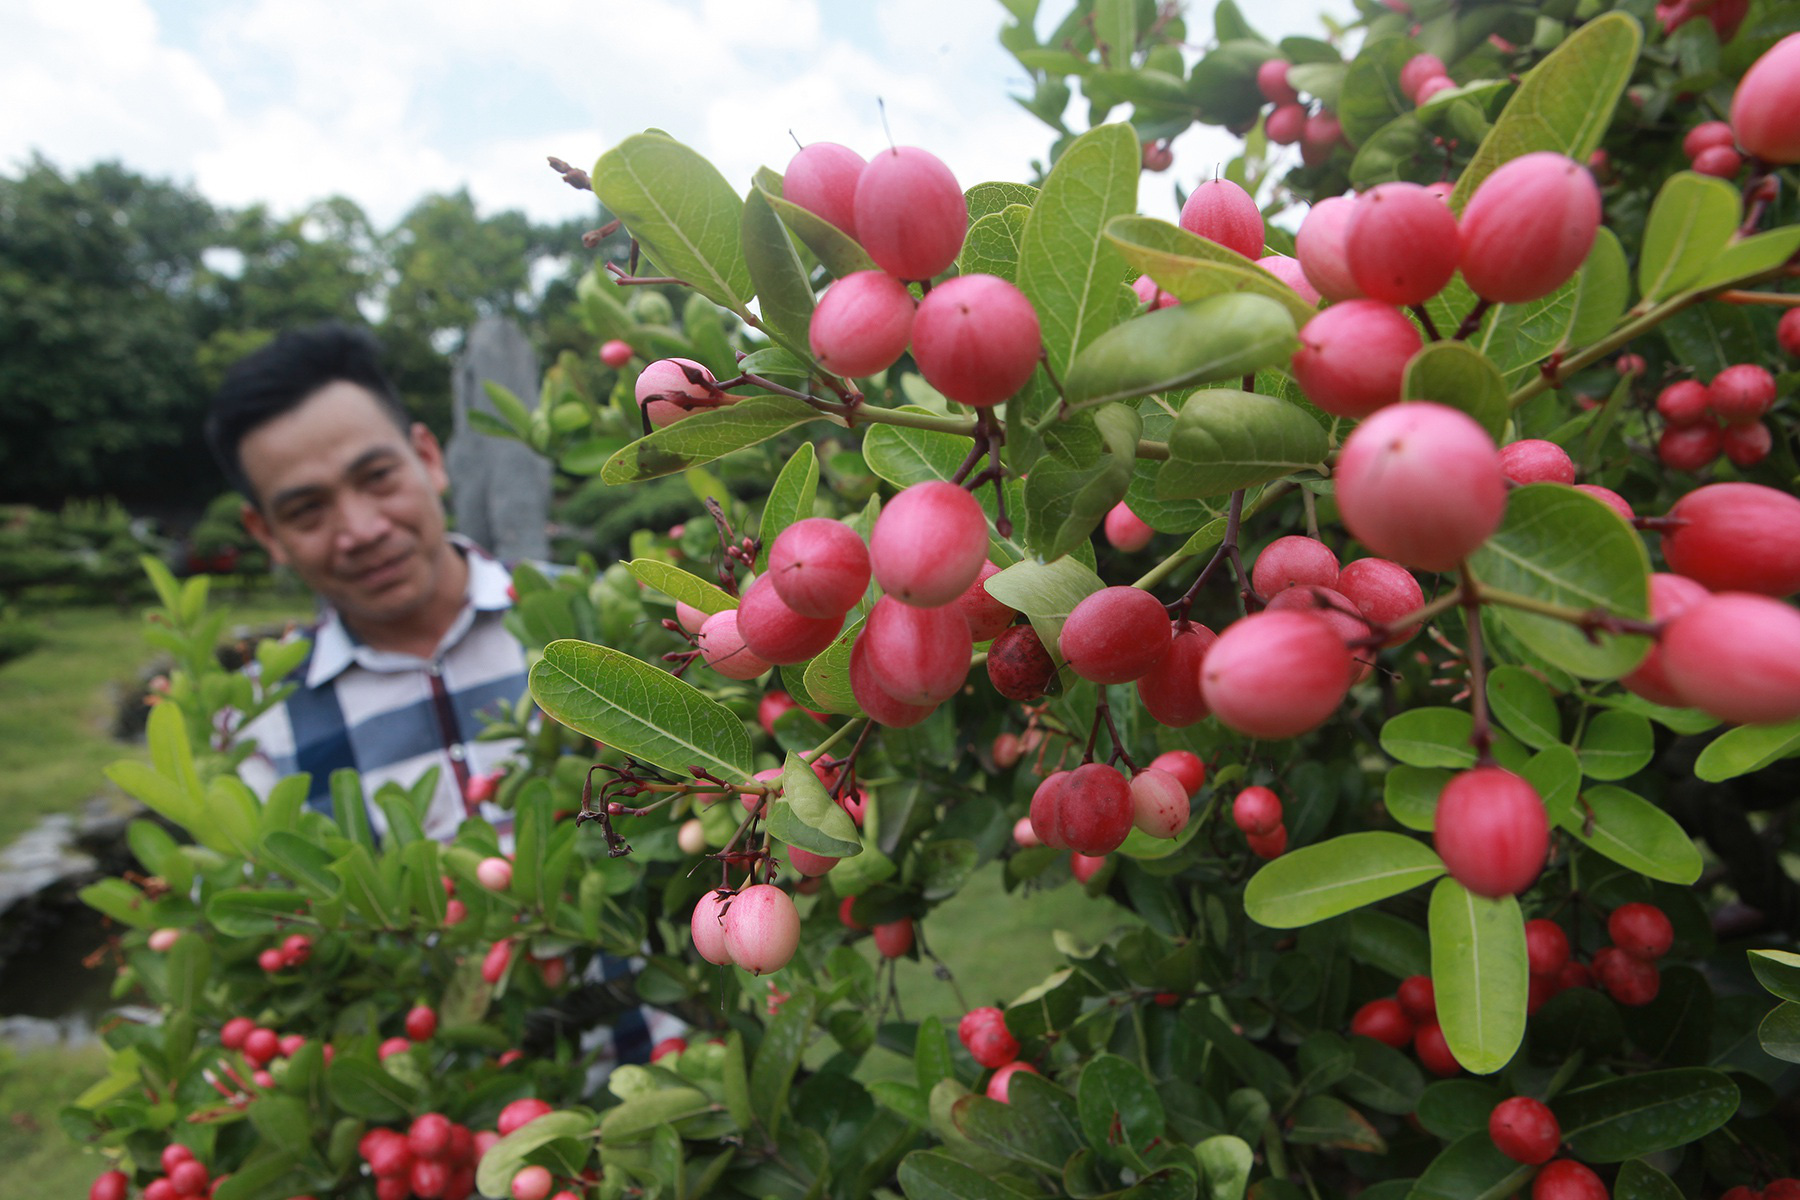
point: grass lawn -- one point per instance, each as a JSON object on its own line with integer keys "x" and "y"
{"x": 40, "y": 1159}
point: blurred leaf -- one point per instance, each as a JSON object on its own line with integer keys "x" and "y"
{"x": 1745, "y": 749}
{"x": 1459, "y": 376}
{"x": 1638, "y": 1180}
{"x": 1615, "y": 745}
{"x": 1328, "y": 1121}
{"x": 1779, "y": 971}
{"x": 1635, "y": 834}
{"x": 706, "y": 435}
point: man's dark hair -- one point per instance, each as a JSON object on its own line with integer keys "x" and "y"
{"x": 279, "y": 377}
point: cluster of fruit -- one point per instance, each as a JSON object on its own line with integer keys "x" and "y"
{"x": 294, "y": 950}
{"x": 1711, "y": 148}
{"x": 261, "y": 1046}
{"x": 434, "y": 1159}
{"x": 990, "y": 1043}
{"x": 1409, "y": 1018}
{"x": 1289, "y": 122}
{"x": 1738, "y": 396}
{"x": 421, "y": 1026}
{"x": 1257, "y": 814}
{"x": 1423, "y": 77}
{"x": 184, "y": 1178}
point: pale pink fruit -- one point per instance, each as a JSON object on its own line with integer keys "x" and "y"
{"x": 1221, "y": 211}
{"x": 1095, "y": 809}
{"x": 909, "y": 212}
{"x": 1184, "y": 765}
{"x": 1024, "y": 836}
{"x": 1741, "y": 393}
{"x": 1383, "y": 592}
{"x": 1705, "y": 136}
{"x": 1150, "y": 295}
{"x": 1289, "y": 271}
{"x": 1115, "y": 635}
{"x": 928, "y": 544}
{"x": 708, "y": 929}
{"x": 1336, "y": 610}
{"x": 1170, "y": 690}
{"x": 1272, "y": 82}
{"x": 999, "y": 1085}
{"x": 689, "y": 618}
{"x": 1683, "y": 402}
{"x": 1737, "y": 656}
{"x": 1275, "y": 674}
{"x": 1534, "y": 460}
{"x": 986, "y": 616}
{"x": 976, "y": 339}
{"x": 1491, "y": 831}
{"x": 615, "y": 353}
{"x": 1323, "y": 134}
{"x": 1747, "y": 445}
{"x": 1528, "y": 227}
{"x": 691, "y": 837}
{"x": 1046, "y": 810}
{"x": 919, "y": 656}
{"x": 532, "y": 1183}
{"x": 862, "y": 324}
{"x": 672, "y": 388}
{"x": 1085, "y": 866}
{"x": 1353, "y": 356}
{"x": 1609, "y": 498}
{"x": 163, "y": 940}
{"x": 821, "y": 178}
{"x": 819, "y": 567}
{"x": 1737, "y": 537}
{"x": 1401, "y": 244}
{"x": 1292, "y": 561}
{"x": 1320, "y": 248}
{"x": 494, "y": 873}
{"x": 776, "y": 633}
{"x": 762, "y": 929}
{"x": 1417, "y": 70}
{"x": 1431, "y": 87}
{"x": 1159, "y": 803}
{"x": 1765, "y": 111}
{"x": 722, "y": 647}
{"x": 1286, "y": 125}
{"x": 1670, "y": 595}
{"x": 1125, "y": 530}
{"x": 1421, "y": 484}
{"x": 874, "y": 699}
{"x": 754, "y": 800}
{"x": 809, "y": 864}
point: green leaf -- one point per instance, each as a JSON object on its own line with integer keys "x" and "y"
{"x": 189, "y": 964}
{"x": 1615, "y": 745}
{"x": 1451, "y": 1108}
{"x": 1225, "y": 1162}
{"x": 706, "y": 435}
{"x": 361, "y": 1088}
{"x": 904, "y": 456}
{"x": 1638, "y": 1180}
{"x": 777, "y": 1058}
{"x": 253, "y": 914}
{"x": 1779, "y": 1032}
{"x": 992, "y": 244}
{"x": 1046, "y": 593}
{"x": 1086, "y": 467}
{"x": 832, "y": 246}
{"x": 1564, "y": 103}
{"x": 1520, "y": 701}
{"x": 807, "y": 817}
{"x": 1329, "y": 878}
{"x": 1184, "y": 345}
{"x": 783, "y": 293}
{"x": 1470, "y": 1168}
{"x": 930, "y": 1175}
{"x": 681, "y": 211}
{"x": 827, "y": 677}
{"x": 305, "y": 862}
{"x": 931, "y": 1055}
{"x": 646, "y": 1112}
{"x": 791, "y": 499}
{"x": 1753, "y": 255}
{"x": 639, "y": 710}
{"x": 985, "y": 199}
{"x": 1635, "y": 834}
{"x": 1120, "y": 1111}
{"x": 119, "y": 900}
{"x": 1642, "y": 1114}
{"x": 1225, "y": 439}
{"x": 1388, "y": 943}
{"x": 494, "y": 1173}
{"x": 1692, "y": 220}
{"x": 1009, "y": 1132}
{"x": 1410, "y": 795}
{"x": 1459, "y": 376}
{"x": 1779, "y": 971}
{"x": 1328, "y": 1121}
{"x": 1745, "y": 749}
{"x": 680, "y": 585}
{"x": 1556, "y": 774}
{"x": 1371, "y": 95}
{"x": 1430, "y": 737}
{"x": 1382, "y": 1078}
{"x": 1479, "y": 969}
{"x": 1190, "y": 267}
{"x": 1602, "y": 290}
{"x": 1565, "y": 547}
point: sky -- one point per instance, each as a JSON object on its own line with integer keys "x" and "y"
{"x": 285, "y": 102}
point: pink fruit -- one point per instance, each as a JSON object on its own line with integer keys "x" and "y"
{"x": 1741, "y": 393}
{"x": 532, "y": 1183}
{"x": 190, "y": 1178}
{"x": 1705, "y": 136}
{"x": 708, "y": 928}
{"x": 1220, "y": 211}
{"x": 986, "y": 616}
{"x": 111, "y": 1185}
{"x": 1747, "y": 445}
{"x": 1763, "y": 111}
{"x": 1170, "y": 690}
{"x": 667, "y": 1048}
{"x": 1689, "y": 447}
{"x": 1001, "y": 1082}
{"x": 1024, "y": 836}
{"x": 1401, "y": 244}
{"x": 1151, "y": 296}
{"x": 762, "y": 929}
{"x": 1320, "y": 248}
{"x": 1431, "y": 87}
{"x": 1046, "y": 810}
{"x": 1184, "y": 765}
{"x": 1159, "y": 803}
{"x": 821, "y": 178}
{"x": 1125, "y": 530}
{"x": 672, "y": 388}
{"x": 775, "y": 633}
{"x": 1640, "y": 930}
{"x": 1272, "y": 82}
{"x": 1721, "y": 162}
{"x": 928, "y": 544}
{"x": 1115, "y": 635}
{"x": 163, "y": 940}
{"x": 615, "y": 353}
{"x": 1491, "y": 831}
{"x": 689, "y": 618}
{"x": 1353, "y": 356}
{"x": 1669, "y": 596}
{"x": 1418, "y": 997}
{"x": 1286, "y": 124}
{"x": 1787, "y": 332}
{"x": 919, "y": 656}
{"x": 1737, "y": 537}
{"x": 521, "y": 1113}
{"x": 1421, "y": 484}
{"x": 234, "y": 1031}
{"x": 862, "y": 324}
{"x": 1609, "y": 498}
{"x": 495, "y": 962}
{"x": 909, "y": 213}
{"x": 805, "y": 862}
{"x": 1533, "y": 460}
{"x": 1683, "y": 402}
{"x": 976, "y": 1019}
{"x": 722, "y": 647}
{"x": 976, "y": 339}
{"x": 819, "y": 567}
{"x": 1417, "y": 70}
{"x": 494, "y": 874}
{"x": 1383, "y": 592}
{"x": 1085, "y": 866}
{"x": 1292, "y": 561}
{"x": 1290, "y": 272}
{"x": 1340, "y": 613}
{"x": 894, "y": 938}
{"x": 874, "y": 699}
{"x": 1018, "y": 665}
{"x": 1256, "y": 811}
{"x": 1737, "y": 656}
{"x": 1323, "y": 134}
{"x": 1275, "y": 674}
{"x": 1529, "y": 227}
{"x": 774, "y": 705}
{"x": 1095, "y": 809}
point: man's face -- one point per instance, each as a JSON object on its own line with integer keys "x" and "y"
{"x": 352, "y": 504}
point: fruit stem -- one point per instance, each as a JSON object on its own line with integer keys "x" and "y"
{"x": 1424, "y": 315}
{"x": 1780, "y": 299}
{"x": 1227, "y": 548}
{"x": 1592, "y": 621}
{"x": 837, "y": 735}
{"x": 1481, "y": 730}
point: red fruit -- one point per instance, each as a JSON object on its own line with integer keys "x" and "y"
{"x": 1286, "y": 125}
{"x": 1352, "y": 356}
{"x": 1787, "y": 332}
{"x": 976, "y": 339}
{"x": 847, "y": 918}
{"x": 986, "y": 616}
{"x": 772, "y": 707}
{"x": 707, "y": 926}
{"x": 1125, "y": 530}
{"x": 762, "y": 929}
{"x": 496, "y": 961}
{"x": 1159, "y": 803}
{"x": 272, "y": 960}
{"x": 532, "y": 1183}
{"x": 978, "y": 1018}
{"x": 160, "y": 1189}
{"x": 261, "y": 1045}
{"x": 429, "y": 1136}
{"x": 672, "y": 388}
{"x": 1721, "y": 162}
{"x": 667, "y": 1047}
{"x": 1640, "y": 930}
{"x": 1383, "y": 592}
{"x": 421, "y": 1024}
{"x": 430, "y": 1179}
{"x": 1418, "y": 998}
{"x": 1157, "y": 156}
{"x": 909, "y": 213}
{"x": 1781, "y": 1189}
{"x": 1085, "y": 866}
{"x": 1742, "y": 1192}
{"x": 391, "y": 1047}
{"x": 1609, "y": 498}
{"x": 1736, "y": 656}
{"x": 1669, "y": 595}
{"x": 190, "y": 1178}
{"x": 1257, "y": 810}
{"x": 1421, "y": 484}
{"x": 1747, "y": 445}
{"x": 1431, "y": 87}
{"x": 1221, "y": 211}
{"x": 894, "y": 938}
{"x": 1434, "y": 1051}
{"x": 1401, "y": 244}
{"x": 1705, "y": 136}
{"x": 1737, "y": 537}
{"x": 1385, "y": 1021}
{"x": 615, "y": 353}
{"x": 1272, "y": 82}
{"x": 1544, "y": 202}
{"x": 1491, "y": 831}
{"x": 809, "y": 864}
{"x": 1001, "y": 1081}
{"x": 1170, "y": 690}
{"x": 1275, "y": 674}
{"x": 775, "y": 633}
{"x": 1268, "y": 845}
{"x": 232, "y": 1035}
{"x": 1539, "y": 991}
{"x": 1574, "y": 975}
{"x": 862, "y": 325}
{"x": 1018, "y": 665}
{"x": 1741, "y": 393}
{"x": 992, "y": 1044}
{"x": 1046, "y": 810}
{"x": 1336, "y": 610}
{"x": 919, "y": 656}
{"x": 874, "y": 699}
{"x": 291, "y": 1044}
{"x": 173, "y": 1155}
{"x": 1525, "y": 1130}
{"x": 1533, "y": 460}
{"x": 396, "y": 1187}
{"x": 723, "y": 649}
{"x": 1690, "y": 447}
{"x": 1115, "y": 635}
{"x": 1417, "y": 70}
{"x": 1292, "y": 561}
{"x": 1768, "y": 96}
{"x": 1683, "y": 402}
{"x": 928, "y": 544}
{"x": 1094, "y": 809}
{"x": 1289, "y": 271}
{"x": 821, "y": 178}
{"x": 111, "y": 1185}
{"x": 1323, "y": 134}
{"x": 1184, "y": 765}
{"x": 1546, "y": 947}
{"x": 1320, "y": 248}
{"x": 1630, "y": 981}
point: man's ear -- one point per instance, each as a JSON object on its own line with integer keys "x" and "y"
{"x": 258, "y": 527}
{"x": 431, "y": 454}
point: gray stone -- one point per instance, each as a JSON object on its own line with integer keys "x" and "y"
{"x": 39, "y": 858}
{"x": 499, "y": 489}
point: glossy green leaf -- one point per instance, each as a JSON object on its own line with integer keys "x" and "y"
{"x": 1328, "y": 1121}
{"x": 806, "y": 816}
{"x": 1086, "y": 467}
{"x": 1753, "y": 255}
{"x": 1779, "y": 971}
{"x": 494, "y": 1173}
{"x": 639, "y": 710}
{"x": 1638, "y": 1180}
{"x": 1045, "y": 592}
{"x": 707, "y": 435}
{"x": 930, "y": 1175}
{"x": 1634, "y": 833}
{"x": 1430, "y": 737}
{"x": 827, "y": 676}
{"x": 1479, "y": 969}
{"x": 1565, "y": 547}
{"x": 1779, "y": 1032}
{"x": 784, "y": 295}
{"x": 1520, "y": 701}
{"x": 1564, "y": 103}
{"x": 1190, "y": 267}
{"x": 791, "y": 498}
{"x": 1615, "y": 745}
{"x": 678, "y": 584}
{"x": 681, "y": 211}
{"x": 1556, "y": 774}
{"x": 1324, "y": 880}
{"x": 837, "y": 250}
{"x": 1642, "y": 1114}
{"x": 1225, "y": 439}
{"x": 992, "y": 244}
{"x": 1459, "y": 376}
{"x": 1746, "y": 749}
{"x": 1410, "y": 795}
{"x": 1119, "y": 1108}
{"x": 1225, "y": 1163}
{"x": 1184, "y": 345}
{"x": 1692, "y": 220}
{"x": 1470, "y": 1168}
{"x": 1201, "y": 521}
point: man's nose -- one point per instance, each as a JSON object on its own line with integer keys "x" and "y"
{"x": 363, "y": 522}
